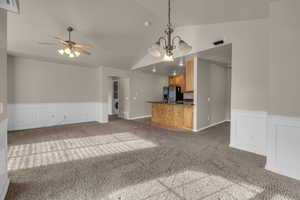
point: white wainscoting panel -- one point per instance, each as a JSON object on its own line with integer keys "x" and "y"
{"x": 3, "y": 159}
{"x": 283, "y": 146}
{"x": 26, "y": 116}
{"x": 248, "y": 131}
{"x": 104, "y": 113}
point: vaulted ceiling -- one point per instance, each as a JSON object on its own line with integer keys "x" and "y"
{"x": 115, "y": 28}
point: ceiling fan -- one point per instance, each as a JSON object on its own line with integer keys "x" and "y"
{"x": 71, "y": 48}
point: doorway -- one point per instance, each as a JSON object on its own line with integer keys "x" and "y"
{"x": 113, "y": 98}
{"x": 118, "y": 98}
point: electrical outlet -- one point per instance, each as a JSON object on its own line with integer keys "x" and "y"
{"x": 1, "y": 107}
{"x": 208, "y": 99}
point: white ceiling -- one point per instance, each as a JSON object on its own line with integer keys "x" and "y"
{"x": 114, "y": 27}
{"x": 221, "y": 55}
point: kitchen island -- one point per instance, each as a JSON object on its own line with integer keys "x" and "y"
{"x": 176, "y": 116}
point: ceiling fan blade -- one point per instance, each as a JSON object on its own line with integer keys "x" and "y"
{"x": 64, "y": 42}
{"x": 82, "y": 46}
{"x": 47, "y": 43}
{"x": 60, "y": 40}
{"x": 82, "y": 51}
{"x": 55, "y": 37}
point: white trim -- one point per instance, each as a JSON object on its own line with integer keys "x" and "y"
{"x": 248, "y": 131}
{"x": 196, "y": 96}
{"x": 5, "y": 188}
{"x": 210, "y": 126}
{"x": 283, "y": 147}
{"x": 4, "y": 182}
{"x": 27, "y": 116}
{"x": 140, "y": 117}
{"x": 123, "y": 115}
{"x": 101, "y": 109}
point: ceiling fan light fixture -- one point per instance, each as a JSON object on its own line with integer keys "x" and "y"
{"x": 71, "y": 48}
{"x": 68, "y": 51}
{"x": 77, "y": 53}
{"x": 61, "y": 51}
{"x": 71, "y": 55}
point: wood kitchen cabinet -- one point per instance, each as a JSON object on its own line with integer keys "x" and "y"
{"x": 188, "y": 119}
{"x": 172, "y": 81}
{"x": 185, "y": 81}
{"x": 173, "y": 116}
{"x": 189, "y": 76}
{"x": 178, "y": 80}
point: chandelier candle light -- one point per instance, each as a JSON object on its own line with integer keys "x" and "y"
{"x": 165, "y": 45}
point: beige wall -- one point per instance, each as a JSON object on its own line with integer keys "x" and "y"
{"x": 250, "y": 57}
{"x": 284, "y": 76}
{"x": 201, "y": 94}
{"x": 228, "y": 95}
{"x": 144, "y": 88}
{"x": 217, "y": 93}
{"x": 212, "y": 97}
{"x": 124, "y": 96}
{"x": 3, "y": 64}
{"x": 32, "y": 81}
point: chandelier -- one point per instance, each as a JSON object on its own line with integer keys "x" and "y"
{"x": 166, "y": 44}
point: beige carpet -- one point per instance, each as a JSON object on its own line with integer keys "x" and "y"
{"x": 132, "y": 160}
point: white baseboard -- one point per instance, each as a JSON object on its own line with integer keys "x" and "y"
{"x": 140, "y": 117}
{"x": 283, "y": 149}
{"x": 124, "y": 115}
{"x": 3, "y": 159}
{"x": 210, "y": 126}
{"x": 27, "y": 116}
{"x": 248, "y": 131}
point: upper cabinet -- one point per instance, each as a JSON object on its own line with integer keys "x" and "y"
{"x": 189, "y": 76}
{"x": 178, "y": 80}
{"x": 185, "y": 81}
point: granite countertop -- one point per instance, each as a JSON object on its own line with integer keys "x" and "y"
{"x": 176, "y": 103}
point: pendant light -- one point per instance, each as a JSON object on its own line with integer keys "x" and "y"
{"x": 166, "y": 44}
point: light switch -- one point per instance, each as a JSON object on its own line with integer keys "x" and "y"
{"x": 1, "y": 107}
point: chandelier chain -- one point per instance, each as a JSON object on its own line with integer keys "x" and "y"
{"x": 169, "y": 16}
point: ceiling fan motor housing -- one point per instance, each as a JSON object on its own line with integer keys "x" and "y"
{"x": 70, "y": 29}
